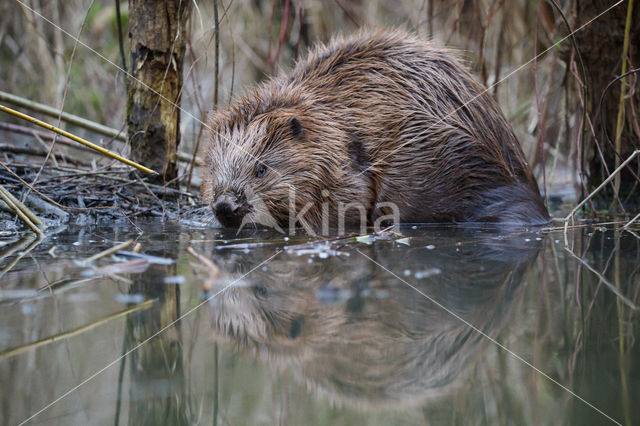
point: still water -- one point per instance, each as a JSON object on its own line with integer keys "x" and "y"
{"x": 423, "y": 325}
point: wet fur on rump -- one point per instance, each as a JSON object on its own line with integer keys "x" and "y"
{"x": 376, "y": 117}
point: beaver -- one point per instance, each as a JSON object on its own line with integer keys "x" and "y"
{"x": 381, "y": 120}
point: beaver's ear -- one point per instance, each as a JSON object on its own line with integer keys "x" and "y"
{"x": 295, "y": 328}
{"x": 295, "y": 127}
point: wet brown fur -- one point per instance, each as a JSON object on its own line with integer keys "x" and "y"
{"x": 376, "y": 117}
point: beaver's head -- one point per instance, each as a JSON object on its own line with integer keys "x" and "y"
{"x": 263, "y": 160}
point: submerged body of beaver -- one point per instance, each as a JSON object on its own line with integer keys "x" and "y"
{"x": 378, "y": 119}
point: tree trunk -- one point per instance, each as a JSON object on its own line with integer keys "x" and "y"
{"x": 601, "y": 45}
{"x": 156, "y": 32}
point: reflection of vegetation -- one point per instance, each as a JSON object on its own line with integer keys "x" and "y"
{"x": 157, "y": 393}
{"x": 561, "y": 316}
{"x": 22, "y": 247}
{"x": 606, "y": 326}
{"x": 73, "y": 332}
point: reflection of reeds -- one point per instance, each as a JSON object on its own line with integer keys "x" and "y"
{"x": 153, "y": 346}
{"x": 73, "y": 332}
{"x": 600, "y": 326}
{"x": 23, "y": 247}
{"x": 622, "y": 356}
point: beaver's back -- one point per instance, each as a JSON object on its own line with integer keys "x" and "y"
{"x": 425, "y": 134}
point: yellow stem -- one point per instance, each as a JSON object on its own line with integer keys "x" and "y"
{"x": 8, "y": 200}
{"x": 75, "y": 138}
{"x": 623, "y": 87}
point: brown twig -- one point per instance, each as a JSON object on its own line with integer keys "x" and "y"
{"x": 109, "y": 251}
{"x": 25, "y": 183}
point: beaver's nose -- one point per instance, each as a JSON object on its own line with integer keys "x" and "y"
{"x": 228, "y": 212}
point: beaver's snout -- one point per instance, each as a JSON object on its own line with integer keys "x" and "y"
{"x": 228, "y": 212}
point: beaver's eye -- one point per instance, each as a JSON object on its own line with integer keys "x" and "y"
{"x": 260, "y": 291}
{"x": 261, "y": 170}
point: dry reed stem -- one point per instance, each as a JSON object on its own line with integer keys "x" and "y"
{"x": 28, "y": 185}
{"x": 77, "y": 139}
{"x": 26, "y": 215}
{"x": 595, "y": 191}
{"x": 109, "y": 251}
{"x": 623, "y": 86}
{"x": 35, "y": 219}
{"x": 65, "y": 116}
{"x": 636, "y": 217}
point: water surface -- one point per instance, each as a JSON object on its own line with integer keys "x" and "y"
{"x": 426, "y": 325}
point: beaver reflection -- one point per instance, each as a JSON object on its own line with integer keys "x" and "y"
{"x": 354, "y": 332}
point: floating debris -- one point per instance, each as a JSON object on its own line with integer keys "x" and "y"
{"x": 109, "y": 251}
{"x": 367, "y": 239}
{"x": 382, "y": 294}
{"x": 135, "y": 299}
{"x": 430, "y": 247}
{"x": 427, "y": 273}
{"x": 27, "y": 309}
{"x": 154, "y": 260}
{"x": 330, "y": 294}
{"x": 17, "y": 294}
{"x": 135, "y": 266}
{"x": 175, "y": 280}
{"x": 323, "y": 252}
{"x": 83, "y": 297}
{"x": 241, "y": 246}
{"x": 404, "y": 241}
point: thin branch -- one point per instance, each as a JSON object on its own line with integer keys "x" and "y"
{"x": 76, "y": 138}
{"x": 595, "y": 191}
{"x": 65, "y": 116}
